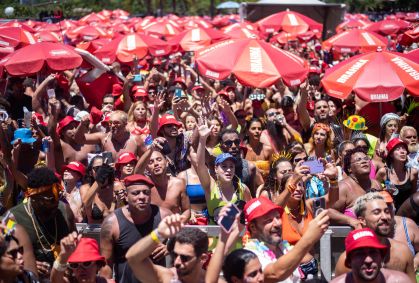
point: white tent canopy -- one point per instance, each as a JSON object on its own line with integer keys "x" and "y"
{"x": 292, "y": 2}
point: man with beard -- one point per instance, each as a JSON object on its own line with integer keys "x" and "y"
{"x": 410, "y": 136}
{"x": 46, "y": 219}
{"x": 373, "y": 212}
{"x": 278, "y": 258}
{"x": 321, "y": 113}
{"x": 176, "y": 145}
{"x": 357, "y": 166}
{"x": 278, "y": 133}
{"x": 188, "y": 248}
{"x": 365, "y": 257}
{"x": 169, "y": 191}
{"x": 126, "y": 225}
{"x": 119, "y": 139}
{"x": 246, "y": 171}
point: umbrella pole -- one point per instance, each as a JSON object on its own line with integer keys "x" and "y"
{"x": 5, "y": 85}
{"x": 380, "y": 107}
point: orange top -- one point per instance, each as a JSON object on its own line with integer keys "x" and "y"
{"x": 288, "y": 232}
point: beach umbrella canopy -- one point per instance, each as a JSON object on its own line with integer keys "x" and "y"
{"x": 375, "y": 77}
{"x": 14, "y": 36}
{"x": 33, "y": 58}
{"x": 355, "y": 40}
{"x": 389, "y": 27}
{"x": 352, "y": 24}
{"x": 197, "y": 38}
{"x": 126, "y": 48}
{"x": 288, "y": 21}
{"x": 253, "y": 62}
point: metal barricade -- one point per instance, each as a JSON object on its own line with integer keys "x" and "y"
{"x": 331, "y": 243}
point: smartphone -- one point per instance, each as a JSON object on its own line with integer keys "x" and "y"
{"x": 108, "y": 157}
{"x": 226, "y": 222}
{"x": 137, "y": 78}
{"x": 315, "y": 166}
{"x": 21, "y": 123}
{"x": 3, "y": 115}
{"x": 51, "y": 93}
{"x": 178, "y": 93}
{"x": 319, "y": 204}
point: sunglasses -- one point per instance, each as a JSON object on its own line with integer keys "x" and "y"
{"x": 84, "y": 265}
{"x": 13, "y": 253}
{"x": 95, "y": 168}
{"x": 272, "y": 114}
{"x": 296, "y": 160}
{"x": 240, "y": 116}
{"x": 183, "y": 258}
{"x": 230, "y": 143}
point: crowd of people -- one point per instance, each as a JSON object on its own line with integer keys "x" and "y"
{"x": 166, "y": 150}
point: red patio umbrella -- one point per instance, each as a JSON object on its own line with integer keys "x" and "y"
{"x": 87, "y": 33}
{"x": 13, "y": 36}
{"x": 48, "y": 36}
{"x": 388, "y": 27}
{"x": 355, "y": 40}
{"x": 410, "y": 36}
{"x": 375, "y": 77}
{"x": 125, "y": 48}
{"x": 93, "y": 18}
{"x": 412, "y": 55}
{"x": 93, "y": 45}
{"x": 288, "y": 21}
{"x": 254, "y": 63}
{"x": 166, "y": 28}
{"x": 352, "y": 24}
{"x": 33, "y": 58}
{"x": 17, "y": 24}
{"x": 197, "y": 38}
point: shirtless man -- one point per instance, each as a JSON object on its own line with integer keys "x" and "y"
{"x": 169, "y": 191}
{"x": 365, "y": 257}
{"x": 373, "y": 212}
{"x": 357, "y": 183}
{"x": 119, "y": 139}
{"x": 71, "y": 133}
{"x": 124, "y": 227}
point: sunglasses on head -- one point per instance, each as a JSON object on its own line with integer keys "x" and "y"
{"x": 183, "y": 258}
{"x": 230, "y": 143}
{"x": 84, "y": 265}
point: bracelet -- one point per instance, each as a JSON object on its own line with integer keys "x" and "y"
{"x": 59, "y": 266}
{"x": 156, "y": 237}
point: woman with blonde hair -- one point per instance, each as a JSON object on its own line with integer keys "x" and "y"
{"x": 320, "y": 143}
{"x": 138, "y": 122}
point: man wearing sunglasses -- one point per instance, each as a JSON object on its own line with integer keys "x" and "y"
{"x": 123, "y": 228}
{"x": 188, "y": 248}
{"x": 246, "y": 171}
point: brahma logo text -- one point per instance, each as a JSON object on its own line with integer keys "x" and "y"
{"x": 58, "y": 52}
{"x": 351, "y": 71}
{"x": 363, "y": 234}
{"x": 406, "y": 67}
{"x": 379, "y": 96}
{"x": 256, "y": 60}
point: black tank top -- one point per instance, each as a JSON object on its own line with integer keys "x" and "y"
{"x": 129, "y": 234}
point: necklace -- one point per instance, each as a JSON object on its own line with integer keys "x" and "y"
{"x": 39, "y": 233}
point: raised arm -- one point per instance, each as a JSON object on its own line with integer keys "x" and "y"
{"x": 107, "y": 243}
{"x": 37, "y": 96}
{"x": 200, "y": 166}
{"x": 67, "y": 247}
{"x": 284, "y": 266}
{"x": 302, "y": 112}
{"x": 138, "y": 255}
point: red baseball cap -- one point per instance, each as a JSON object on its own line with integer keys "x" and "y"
{"x": 137, "y": 178}
{"x": 196, "y": 87}
{"x": 393, "y": 143}
{"x": 258, "y": 207}
{"x": 181, "y": 81}
{"x": 86, "y": 250}
{"x": 75, "y": 166}
{"x": 117, "y": 90}
{"x": 168, "y": 119}
{"x": 64, "y": 123}
{"x": 362, "y": 238}
{"x": 140, "y": 92}
{"x": 125, "y": 158}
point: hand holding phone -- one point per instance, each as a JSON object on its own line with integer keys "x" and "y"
{"x": 226, "y": 221}
{"x": 319, "y": 204}
{"x": 107, "y": 157}
{"x": 316, "y": 166}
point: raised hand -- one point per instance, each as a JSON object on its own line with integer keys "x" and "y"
{"x": 317, "y": 227}
{"x": 171, "y": 225}
{"x": 203, "y": 130}
{"x": 331, "y": 171}
{"x": 68, "y": 246}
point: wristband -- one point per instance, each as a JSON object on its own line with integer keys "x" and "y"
{"x": 155, "y": 236}
{"x": 59, "y": 266}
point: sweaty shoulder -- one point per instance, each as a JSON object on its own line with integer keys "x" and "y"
{"x": 395, "y": 276}
{"x": 339, "y": 279}
{"x": 178, "y": 183}
{"x": 109, "y": 227}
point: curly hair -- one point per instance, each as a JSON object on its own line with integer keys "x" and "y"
{"x": 348, "y": 156}
{"x": 40, "y": 177}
